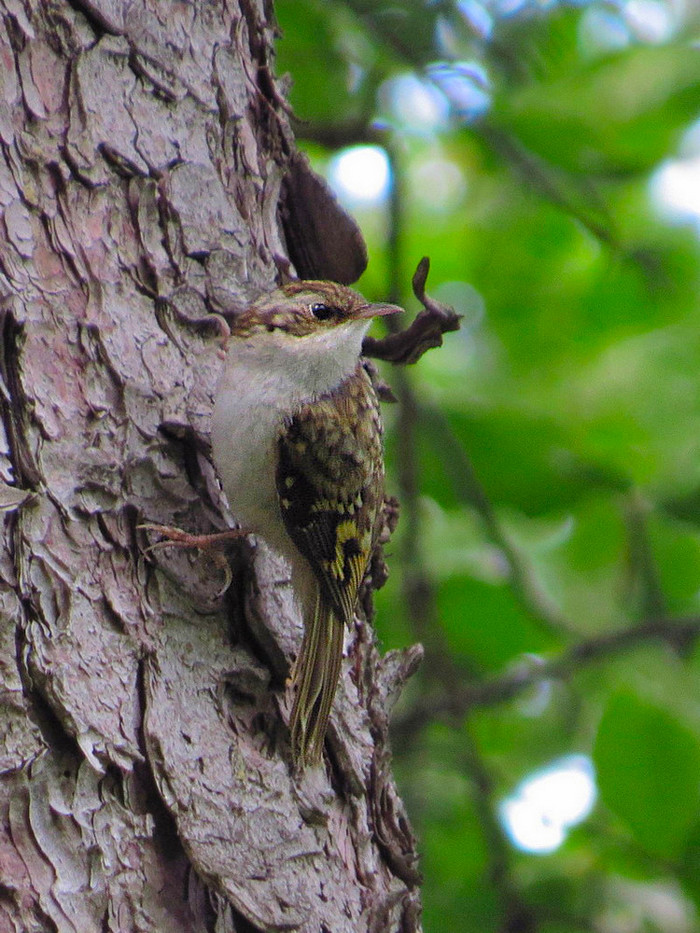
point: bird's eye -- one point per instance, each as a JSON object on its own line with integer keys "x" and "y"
{"x": 323, "y": 312}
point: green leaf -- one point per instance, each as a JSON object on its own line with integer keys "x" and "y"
{"x": 525, "y": 461}
{"x": 676, "y": 550}
{"x": 586, "y": 573}
{"x": 622, "y": 114}
{"x": 536, "y": 47}
{"x": 689, "y": 870}
{"x": 485, "y": 623}
{"x": 318, "y": 51}
{"x": 648, "y": 767}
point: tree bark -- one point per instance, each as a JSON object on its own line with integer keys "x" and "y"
{"x": 146, "y": 782}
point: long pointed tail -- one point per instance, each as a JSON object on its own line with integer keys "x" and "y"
{"x": 315, "y": 680}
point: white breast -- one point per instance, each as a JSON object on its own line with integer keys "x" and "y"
{"x": 245, "y": 428}
{"x": 265, "y": 380}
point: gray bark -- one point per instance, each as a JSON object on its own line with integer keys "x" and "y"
{"x": 145, "y": 769}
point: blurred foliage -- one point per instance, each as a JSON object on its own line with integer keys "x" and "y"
{"x": 550, "y": 560}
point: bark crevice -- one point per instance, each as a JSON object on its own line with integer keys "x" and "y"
{"x": 145, "y": 764}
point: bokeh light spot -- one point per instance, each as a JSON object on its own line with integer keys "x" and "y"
{"x": 361, "y": 174}
{"x": 414, "y": 104}
{"x": 650, "y": 20}
{"x": 675, "y": 189}
{"x": 541, "y": 810}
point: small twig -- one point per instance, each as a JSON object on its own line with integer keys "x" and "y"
{"x": 407, "y": 346}
{"x": 680, "y": 634}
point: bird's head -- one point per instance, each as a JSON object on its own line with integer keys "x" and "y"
{"x": 309, "y": 308}
{"x": 305, "y": 338}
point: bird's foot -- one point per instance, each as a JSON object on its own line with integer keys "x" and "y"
{"x": 211, "y": 543}
{"x": 176, "y": 537}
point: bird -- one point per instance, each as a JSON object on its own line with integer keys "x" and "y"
{"x": 296, "y": 439}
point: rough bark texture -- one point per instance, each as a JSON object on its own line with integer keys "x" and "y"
{"x": 145, "y": 768}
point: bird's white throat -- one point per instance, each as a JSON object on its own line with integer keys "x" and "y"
{"x": 289, "y": 370}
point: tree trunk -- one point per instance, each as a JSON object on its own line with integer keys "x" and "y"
{"x": 146, "y": 776}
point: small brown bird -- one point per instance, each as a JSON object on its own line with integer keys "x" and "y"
{"x": 296, "y": 438}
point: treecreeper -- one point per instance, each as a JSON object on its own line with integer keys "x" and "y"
{"x": 297, "y": 442}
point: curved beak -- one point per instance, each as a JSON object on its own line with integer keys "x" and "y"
{"x": 378, "y": 310}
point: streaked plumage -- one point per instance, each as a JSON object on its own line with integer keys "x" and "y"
{"x": 296, "y": 437}
{"x": 330, "y": 482}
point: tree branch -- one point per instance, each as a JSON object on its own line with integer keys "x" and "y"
{"x": 679, "y": 634}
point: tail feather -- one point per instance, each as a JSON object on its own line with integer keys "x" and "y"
{"x": 315, "y": 680}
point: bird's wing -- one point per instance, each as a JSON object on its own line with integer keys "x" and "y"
{"x": 330, "y": 484}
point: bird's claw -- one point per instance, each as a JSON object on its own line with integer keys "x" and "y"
{"x": 176, "y": 537}
{"x": 212, "y": 543}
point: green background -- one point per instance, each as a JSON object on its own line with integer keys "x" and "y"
{"x": 548, "y": 554}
